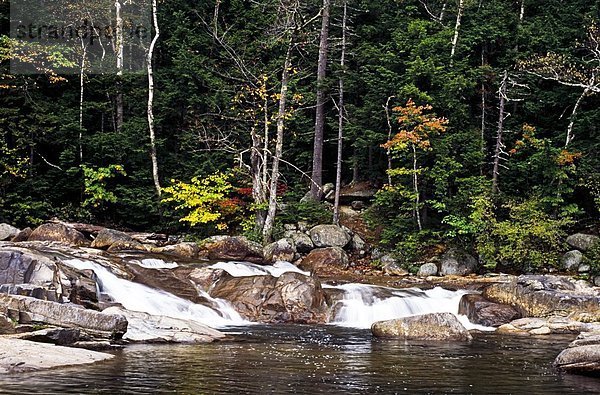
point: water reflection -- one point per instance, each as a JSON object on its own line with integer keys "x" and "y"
{"x": 322, "y": 359}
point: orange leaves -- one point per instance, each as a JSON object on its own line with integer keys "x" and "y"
{"x": 416, "y": 127}
{"x": 566, "y": 158}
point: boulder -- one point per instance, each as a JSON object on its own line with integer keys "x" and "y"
{"x": 483, "y": 312}
{"x": 545, "y": 326}
{"x": 546, "y": 295}
{"x": 582, "y": 242}
{"x": 7, "y": 232}
{"x": 280, "y": 250}
{"x": 6, "y": 325}
{"x": 160, "y": 329}
{"x": 204, "y": 278}
{"x": 25, "y": 356}
{"x": 391, "y": 267}
{"x": 27, "y": 310}
{"x": 107, "y": 237}
{"x": 301, "y": 240}
{"x": 60, "y": 233}
{"x": 582, "y": 356}
{"x": 186, "y": 250}
{"x": 22, "y": 235}
{"x": 291, "y": 297}
{"x": 435, "y": 326}
{"x": 427, "y": 269}
{"x": 363, "y": 191}
{"x": 571, "y": 260}
{"x": 358, "y": 244}
{"x": 320, "y": 260}
{"x": 457, "y": 263}
{"x": 329, "y": 236}
{"x": 123, "y": 245}
{"x": 235, "y": 248}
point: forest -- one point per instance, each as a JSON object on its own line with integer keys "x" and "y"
{"x": 476, "y": 121}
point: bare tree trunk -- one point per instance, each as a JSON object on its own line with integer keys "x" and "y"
{"x": 272, "y": 209}
{"x": 317, "y": 163}
{"x": 81, "y": 89}
{"x": 416, "y": 188}
{"x": 119, "y": 56}
{"x": 355, "y": 172}
{"x": 258, "y": 192}
{"x": 338, "y": 170}
{"x": 151, "y": 99}
{"x": 499, "y": 143}
{"x": 570, "y": 135}
{"x": 389, "y": 137}
{"x": 522, "y": 11}
{"x": 443, "y": 12}
{"x": 459, "y": 14}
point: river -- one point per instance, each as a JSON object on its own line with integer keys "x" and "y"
{"x": 318, "y": 359}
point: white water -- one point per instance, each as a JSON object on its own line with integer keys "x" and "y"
{"x": 151, "y": 263}
{"x": 362, "y": 305}
{"x": 138, "y": 297}
{"x": 245, "y": 269}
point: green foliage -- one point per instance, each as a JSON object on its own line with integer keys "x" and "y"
{"x": 592, "y": 258}
{"x": 311, "y": 212}
{"x": 95, "y": 184}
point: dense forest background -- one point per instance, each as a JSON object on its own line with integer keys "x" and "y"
{"x": 488, "y": 109}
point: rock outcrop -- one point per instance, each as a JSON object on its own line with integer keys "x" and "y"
{"x": 236, "y": 248}
{"x": 546, "y": 296}
{"x": 25, "y": 356}
{"x": 483, "y": 312}
{"x": 436, "y": 327}
{"x": 322, "y": 260}
{"x": 107, "y": 237}
{"x": 329, "y": 236}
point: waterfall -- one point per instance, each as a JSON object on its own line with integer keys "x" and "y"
{"x": 138, "y": 297}
{"x": 362, "y": 305}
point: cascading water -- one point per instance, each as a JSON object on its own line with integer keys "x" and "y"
{"x": 138, "y": 297}
{"x": 361, "y": 305}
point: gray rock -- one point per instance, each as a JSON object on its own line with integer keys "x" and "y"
{"x": 280, "y": 250}
{"x": 457, "y": 263}
{"x": 358, "y": 244}
{"x": 301, "y": 240}
{"x": 427, "y": 269}
{"x": 329, "y": 236}
{"x": 596, "y": 281}
{"x": 59, "y": 336}
{"x": 107, "y": 237}
{"x": 6, "y": 325}
{"x": 570, "y": 261}
{"x": 582, "y": 241}
{"x": 24, "y": 356}
{"x": 160, "y": 329}
{"x": 436, "y": 326}
{"x": 584, "y": 268}
{"x": 65, "y": 315}
{"x": 7, "y": 232}
{"x": 584, "y": 360}
{"x": 20, "y": 267}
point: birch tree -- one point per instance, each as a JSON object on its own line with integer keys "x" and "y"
{"x": 150, "y": 106}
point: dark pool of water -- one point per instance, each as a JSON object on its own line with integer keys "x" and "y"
{"x": 323, "y": 359}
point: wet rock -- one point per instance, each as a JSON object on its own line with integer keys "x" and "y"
{"x": 22, "y": 235}
{"x": 436, "y": 326}
{"x": 428, "y": 269}
{"x": 293, "y": 297}
{"x": 204, "y": 278}
{"x": 65, "y": 315}
{"x": 59, "y": 336}
{"x": 457, "y": 263}
{"x": 582, "y": 242}
{"x": 58, "y": 232}
{"x": 329, "y": 236}
{"x": 301, "y": 240}
{"x": 551, "y": 325}
{"x": 581, "y": 357}
{"x": 571, "y": 260}
{"x": 483, "y": 312}
{"x": 186, "y": 250}
{"x": 107, "y": 237}
{"x": 160, "y": 329}
{"x": 280, "y": 250}
{"x": 545, "y": 296}
{"x": 320, "y": 260}
{"x": 173, "y": 281}
{"x": 235, "y": 248}
{"x": 25, "y": 356}
{"x": 7, "y": 232}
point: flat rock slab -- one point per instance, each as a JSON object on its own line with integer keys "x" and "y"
{"x": 25, "y": 356}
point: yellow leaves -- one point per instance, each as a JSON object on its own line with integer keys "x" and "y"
{"x": 416, "y": 127}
